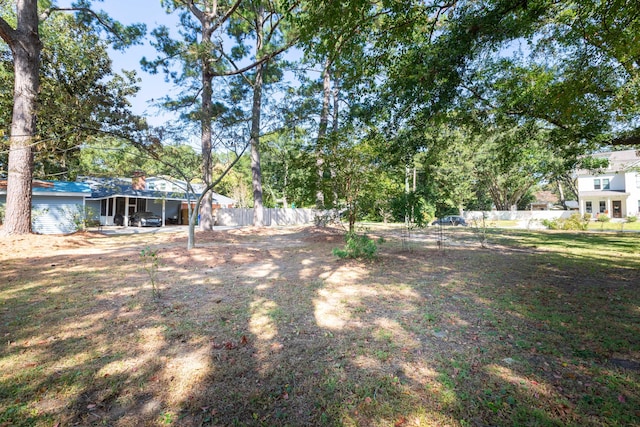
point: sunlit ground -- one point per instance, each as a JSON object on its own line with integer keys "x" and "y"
{"x": 267, "y": 327}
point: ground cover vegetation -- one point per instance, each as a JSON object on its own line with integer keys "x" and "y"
{"x": 267, "y": 327}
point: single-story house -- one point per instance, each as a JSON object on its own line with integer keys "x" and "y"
{"x": 116, "y": 199}
{"x": 58, "y": 207}
{"x": 547, "y": 200}
{"x": 61, "y": 207}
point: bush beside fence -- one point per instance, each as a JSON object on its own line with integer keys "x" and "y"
{"x": 517, "y": 215}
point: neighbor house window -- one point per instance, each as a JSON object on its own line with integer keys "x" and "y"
{"x": 596, "y": 184}
{"x": 588, "y": 207}
{"x": 605, "y": 184}
{"x": 603, "y": 207}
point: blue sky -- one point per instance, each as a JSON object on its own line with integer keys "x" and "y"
{"x": 153, "y": 87}
{"x": 150, "y": 13}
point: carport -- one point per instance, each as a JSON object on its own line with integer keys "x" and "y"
{"x": 113, "y": 199}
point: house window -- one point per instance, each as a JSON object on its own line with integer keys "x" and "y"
{"x": 596, "y": 184}
{"x": 588, "y": 207}
{"x": 605, "y": 184}
{"x": 103, "y": 207}
{"x": 603, "y": 206}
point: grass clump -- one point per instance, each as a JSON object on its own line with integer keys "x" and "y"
{"x": 358, "y": 246}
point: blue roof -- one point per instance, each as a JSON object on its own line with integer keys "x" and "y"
{"x": 99, "y": 192}
{"x": 56, "y": 187}
{"x": 109, "y": 187}
{"x": 102, "y": 188}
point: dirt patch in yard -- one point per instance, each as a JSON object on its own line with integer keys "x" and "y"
{"x": 264, "y": 326}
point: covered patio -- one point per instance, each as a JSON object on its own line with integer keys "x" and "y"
{"x": 112, "y": 202}
{"x": 608, "y": 202}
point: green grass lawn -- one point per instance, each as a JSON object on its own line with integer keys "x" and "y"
{"x": 268, "y": 328}
{"x": 614, "y": 226}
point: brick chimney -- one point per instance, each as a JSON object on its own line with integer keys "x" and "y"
{"x": 138, "y": 182}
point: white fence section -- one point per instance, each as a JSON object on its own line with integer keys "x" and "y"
{"x": 272, "y": 216}
{"x": 518, "y": 215}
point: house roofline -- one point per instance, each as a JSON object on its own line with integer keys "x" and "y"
{"x": 606, "y": 193}
{"x": 131, "y": 196}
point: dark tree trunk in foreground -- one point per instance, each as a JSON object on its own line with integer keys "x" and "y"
{"x": 322, "y": 134}
{"x": 256, "y": 111}
{"x": 25, "y": 45}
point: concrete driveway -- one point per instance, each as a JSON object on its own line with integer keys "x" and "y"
{"x": 119, "y": 230}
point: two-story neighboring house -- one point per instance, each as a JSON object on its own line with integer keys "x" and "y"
{"x": 614, "y": 190}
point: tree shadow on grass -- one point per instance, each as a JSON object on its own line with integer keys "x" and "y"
{"x": 248, "y": 332}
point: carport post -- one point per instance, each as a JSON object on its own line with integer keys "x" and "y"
{"x": 163, "y": 212}
{"x": 126, "y": 211}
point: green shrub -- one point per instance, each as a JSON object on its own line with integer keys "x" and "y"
{"x": 587, "y": 216}
{"x": 604, "y": 218}
{"x": 358, "y": 246}
{"x": 1, "y": 214}
{"x": 75, "y": 215}
{"x": 632, "y": 218}
{"x": 412, "y": 208}
{"x": 574, "y": 222}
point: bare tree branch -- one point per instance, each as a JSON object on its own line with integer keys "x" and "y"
{"x": 626, "y": 140}
{"x": 7, "y": 32}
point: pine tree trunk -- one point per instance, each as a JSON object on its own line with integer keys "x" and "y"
{"x": 206, "y": 220}
{"x": 25, "y": 45}
{"x": 322, "y": 134}
{"x": 335, "y": 127}
{"x": 256, "y": 173}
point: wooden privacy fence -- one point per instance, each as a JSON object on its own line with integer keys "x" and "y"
{"x": 272, "y": 216}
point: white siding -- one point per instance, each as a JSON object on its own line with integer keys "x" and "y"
{"x": 585, "y": 183}
{"x": 93, "y": 209}
{"x": 616, "y": 181}
{"x": 56, "y": 214}
{"x": 633, "y": 188}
